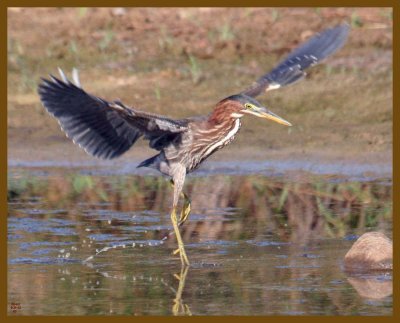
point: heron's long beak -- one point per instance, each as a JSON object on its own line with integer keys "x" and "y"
{"x": 264, "y": 113}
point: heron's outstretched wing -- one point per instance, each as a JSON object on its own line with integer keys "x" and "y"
{"x": 291, "y": 69}
{"x": 103, "y": 129}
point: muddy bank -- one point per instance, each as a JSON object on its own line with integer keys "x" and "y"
{"x": 180, "y": 62}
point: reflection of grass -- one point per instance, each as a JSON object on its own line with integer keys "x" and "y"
{"x": 17, "y": 187}
{"x": 333, "y": 226}
{"x": 81, "y": 183}
{"x": 319, "y": 208}
{"x": 22, "y": 184}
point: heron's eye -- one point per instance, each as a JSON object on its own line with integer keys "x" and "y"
{"x": 248, "y": 106}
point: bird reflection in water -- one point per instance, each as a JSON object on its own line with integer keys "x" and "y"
{"x": 179, "y": 307}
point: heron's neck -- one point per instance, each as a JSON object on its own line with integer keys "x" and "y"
{"x": 221, "y": 114}
{"x": 223, "y": 125}
{"x": 223, "y": 136}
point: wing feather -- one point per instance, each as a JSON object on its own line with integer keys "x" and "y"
{"x": 103, "y": 129}
{"x": 292, "y": 68}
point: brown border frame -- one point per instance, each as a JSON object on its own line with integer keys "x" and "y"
{"x": 178, "y": 3}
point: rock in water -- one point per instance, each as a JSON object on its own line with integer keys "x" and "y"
{"x": 372, "y": 251}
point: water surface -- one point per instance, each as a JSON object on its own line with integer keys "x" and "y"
{"x": 258, "y": 245}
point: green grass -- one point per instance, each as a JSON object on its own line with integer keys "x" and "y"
{"x": 337, "y": 98}
{"x": 107, "y": 39}
{"x": 82, "y": 12}
{"x": 275, "y": 15}
{"x": 157, "y": 93}
{"x": 194, "y": 69}
{"x": 226, "y": 32}
{"x": 356, "y": 21}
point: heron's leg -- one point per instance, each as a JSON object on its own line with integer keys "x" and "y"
{"x": 178, "y": 180}
{"x": 181, "y": 247}
{"x": 186, "y": 207}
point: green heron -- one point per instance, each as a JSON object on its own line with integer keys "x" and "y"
{"x": 108, "y": 129}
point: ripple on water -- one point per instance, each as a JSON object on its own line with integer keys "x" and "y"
{"x": 101, "y": 237}
{"x": 43, "y": 261}
{"x": 35, "y": 244}
{"x": 256, "y": 257}
{"x": 40, "y": 225}
{"x": 213, "y": 243}
{"x": 134, "y": 217}
{"x": 266, "y": 243}
{"x": 33, "y": 211}
{"x": 297, "y": 266}
{"x": 41, "y": 252}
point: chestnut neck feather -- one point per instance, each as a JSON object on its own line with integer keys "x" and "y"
{"x": 223, "y": 110}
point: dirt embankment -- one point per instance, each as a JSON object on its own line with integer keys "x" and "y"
{"x": 180, "y": 62}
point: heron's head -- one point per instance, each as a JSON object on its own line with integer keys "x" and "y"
{"x": 240, "y": 104}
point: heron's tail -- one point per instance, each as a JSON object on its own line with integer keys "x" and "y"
{"x": 151, "y": 162}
